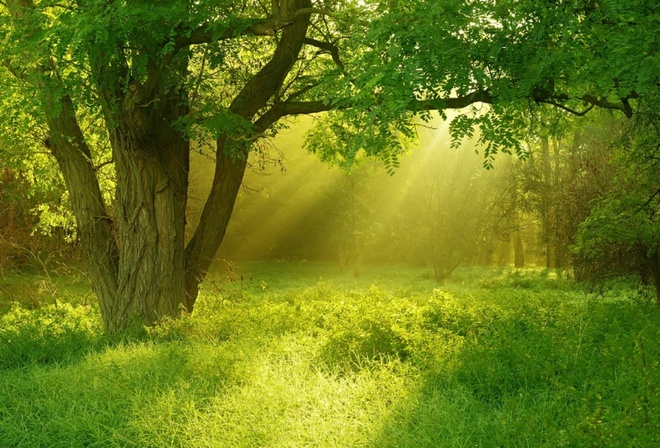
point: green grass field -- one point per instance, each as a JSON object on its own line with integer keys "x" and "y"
{"x": 300, "y": 355}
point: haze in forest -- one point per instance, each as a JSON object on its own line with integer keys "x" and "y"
{"x": 441, "y": 206}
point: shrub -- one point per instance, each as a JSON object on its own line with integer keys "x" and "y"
{"x": 51, "y": 334}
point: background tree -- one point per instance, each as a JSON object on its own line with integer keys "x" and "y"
{"x": 622, "y": 233}
{"x": 35, "y": 224}
{"x": 19, "y": 216}
{"x": 454, "y": 216}
{"x": 567, "y": 168}
{"x": 352, "y": 201}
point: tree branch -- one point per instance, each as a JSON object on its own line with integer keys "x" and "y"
{"x": 645, "y": 204}
{"x": 604, "y": 104}
{"x": 14, "y": 71}
{"x": 569, "y": 110}
{"x": 302, "y": 91}
{"x": 257, "y": 27}
{"x": 555, "y": 100}
{"x": 289, "y": 108}
{"x": 326, "y": 47}
{"x": 478, "y": 96}
{"x": 106, "y": 163}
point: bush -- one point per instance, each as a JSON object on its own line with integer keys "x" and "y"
{"x": 51, "y": 334}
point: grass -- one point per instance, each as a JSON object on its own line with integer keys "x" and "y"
{"x": 36, "y": 290}
{"x": 299, "y": 355}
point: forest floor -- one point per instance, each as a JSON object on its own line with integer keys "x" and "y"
{"x": 301, "y": 355}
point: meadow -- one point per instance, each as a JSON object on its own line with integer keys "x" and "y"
{"x": 302, "y": 355}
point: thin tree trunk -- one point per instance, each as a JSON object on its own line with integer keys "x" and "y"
{"x": 548, "y": 206}
{"x": 551, "y": 255}
{"x": 557, "y": 236}
{"x": 213, "y": 223}
{"x": 519, "y": 252}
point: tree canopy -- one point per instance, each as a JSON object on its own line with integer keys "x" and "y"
{"x": 511, "y": 55}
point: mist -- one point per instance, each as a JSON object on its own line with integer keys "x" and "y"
{"x": 440, "y": 208}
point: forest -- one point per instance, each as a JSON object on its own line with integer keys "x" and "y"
{"x": 330, "y": 223}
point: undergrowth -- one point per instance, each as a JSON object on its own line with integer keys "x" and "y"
{"x": 490, "y": 359}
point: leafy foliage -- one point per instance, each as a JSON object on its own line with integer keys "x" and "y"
{"x": 514, "y": 54}
{"x": 33, "y": 231}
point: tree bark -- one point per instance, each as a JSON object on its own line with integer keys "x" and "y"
{"x": 152, "y": 164}
{"x": 95, "y": 228}
{"x": 548, "y": 208}
{"x": 213, "y": 223}
{"x": 67, "y": 144}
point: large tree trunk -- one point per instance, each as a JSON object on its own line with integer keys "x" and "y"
{"x": 152, "y": 164}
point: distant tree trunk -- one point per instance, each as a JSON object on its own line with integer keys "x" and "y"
{"x": 558, "y": 233}
{"x": 342, "y": 252}
{"x": 654, "y": 262}
{"x": 443, "y": 270}
{"x": 445, "y": 261}
{"x": 548, "y": 205}
{"x": 551, "y": 255}
{"x": 357, "y": 231}
{"x": 357, "y": 267}
{"x": 518, "y": 250}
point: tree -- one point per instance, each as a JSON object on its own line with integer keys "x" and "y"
{"x": 136, "y": 67}
{"x": 622, "y": 231}
{"x": 353, "y": 226}
{"x": 150, "y": 77}
{"x": 567, "y": 169}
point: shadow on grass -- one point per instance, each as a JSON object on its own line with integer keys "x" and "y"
{"x": 52, "y": 334}
{"x": 540, "y": 375}
{"x": 137, "y": 394}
